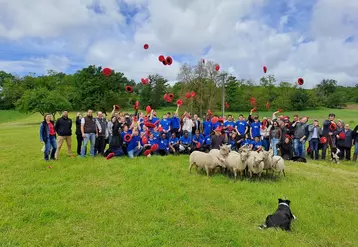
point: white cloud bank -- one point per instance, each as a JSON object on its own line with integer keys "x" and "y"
{"x": 185, "y": 27}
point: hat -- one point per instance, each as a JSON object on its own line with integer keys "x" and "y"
{"x": 179, "y": 102}
{"x": 144, "y": 140}
{"x": 161, "y": 58}
{"x": 147, "y": 152}
{"x": 127, "y": 137}
{"x": 148, "y": 109}
{"x": 129, "y": 89}
{"x": 146, "y": 46}
{"x": 193, "y": 94}
{"x": 188, "y": 95}
{"x": 154, "y": 147}
{"x": 109, "y": 156}
{"x": 323, "y": 140}
{"x": 265, "y": 69}
{"x": 217, "y": 67}
{"x": 107, "y": 71}
{"x": 214, "y": 120}
{"x": 169, "y": 60}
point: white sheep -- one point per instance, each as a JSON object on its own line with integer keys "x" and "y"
{"x": 208, "y": 161}
{"x": 237, "y": 162}
{"x": 278, "y": 165}
{"x": 255, "y": 163}
{"x": 268, "y": 160}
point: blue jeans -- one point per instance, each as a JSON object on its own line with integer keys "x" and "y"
{"x": 91, "y": 137}
{"x": 135, "y": 152}
{"x": 50, "y": 143}
{"x": 299, "y": 147}
{"x": 274, "y": 143}
{"x": 356, "y": 148}
{"x": 266, "y": 144}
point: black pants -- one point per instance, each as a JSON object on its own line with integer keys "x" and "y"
{"x": 163, "y": 152}
{"x": 79, "y": 143}
{"x": 100, "y": 144}
{"x": 176, "y": 131}
{"x": 345, "y": 152}
{"x": 176, "y": 148}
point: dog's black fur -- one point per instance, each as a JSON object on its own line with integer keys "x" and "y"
{"x": 281, "y": 218}
{"x": 298, "y": 159}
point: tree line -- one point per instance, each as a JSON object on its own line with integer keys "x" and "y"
{"x": 89, "y": 88}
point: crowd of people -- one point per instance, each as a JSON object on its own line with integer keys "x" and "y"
{"x": 145, "y": 134}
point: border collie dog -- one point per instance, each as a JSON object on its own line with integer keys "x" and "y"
{"x": 281, "y": 218}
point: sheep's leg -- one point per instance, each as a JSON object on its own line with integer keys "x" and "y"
{"x": 259, "y": 175}
{"x": 190, "y": 166}
{"x": 207, "y": 171}
{"x": 250, "y": 173}
{"x": 242, "y": 174}
{"x": 235, "y": 175}
{"x": 279, "y": 173}
{"x": 283, "y": 171}
{"x": 266, "y": 172}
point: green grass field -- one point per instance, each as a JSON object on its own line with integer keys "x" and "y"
{"x": 156, "y": 202}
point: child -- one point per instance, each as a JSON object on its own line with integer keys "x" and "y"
{"x": 134, "y": 147}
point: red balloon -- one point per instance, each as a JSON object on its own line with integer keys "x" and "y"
{"x": 217, "y": 67}
{"x": 107, "y": 71}
{"x": 171, "y": 95}
{"x": 161, "y": 58}
{"x": 265, "y": 69}
{"x": 146, "y": 46}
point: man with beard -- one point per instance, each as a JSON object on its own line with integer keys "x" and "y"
{"x": 63, "y": 129}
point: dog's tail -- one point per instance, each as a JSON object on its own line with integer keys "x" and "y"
{"x": 262, "y": 227}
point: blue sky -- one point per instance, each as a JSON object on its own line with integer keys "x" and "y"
{"x": 109, "y": 32}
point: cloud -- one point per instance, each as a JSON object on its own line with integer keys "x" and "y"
{"x": 292, "y": 38}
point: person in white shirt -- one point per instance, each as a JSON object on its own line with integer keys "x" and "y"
{"x": 187, "y": 123}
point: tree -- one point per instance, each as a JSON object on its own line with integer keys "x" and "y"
{"x": 96, "y": 91}
{"x": 43, "y": 101}
{"x": 299, "y": 99}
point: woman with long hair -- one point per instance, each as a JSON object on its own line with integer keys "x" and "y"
{"x": 48, "y": 136}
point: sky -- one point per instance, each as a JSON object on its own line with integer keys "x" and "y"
{"x": 312, "y": 39}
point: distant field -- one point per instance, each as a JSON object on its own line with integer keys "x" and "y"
{"x": 156, "y": 202}
{"x": 8, "y": 116}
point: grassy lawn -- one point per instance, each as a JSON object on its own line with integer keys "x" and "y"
{"x": 156, "y": 202}
{"x": 8, "y": 116}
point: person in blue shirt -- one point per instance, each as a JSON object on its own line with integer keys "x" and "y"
{"x": 151, "y": 141}
{"x": 207, "y": 143}
{"x": 155, "y": 132}
{"x": 207, "y": 126}
{"x": 184, "y": 143}
{"x": 173, "y": 144}
{"x": 153, "y": 118}
{"x": 255, "y": 128}
{"x": 125, "y": 131}
{"x": 163, "y": 145}
{"x": 241, "y": 126}
{"x": 234, "y": 140}
{"x": 175, "y": 123}
{"x": 229, "y": 125}
{"x": 165, "y": 124}
{"x": 197, "y": 141}
{"x": 257, "y": 144}
{"x": 217, "y": 124}
{"x": 134, "y": 147}
{"x": 249, "y": 143}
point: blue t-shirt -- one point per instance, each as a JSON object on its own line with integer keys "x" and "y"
{"x": 173, "y": 140}
{"x": 133, "y": 143}
{"x": 199, "y": 139}
{"x": 175, "y": 123}
{"x": 208, "y": 127}
{"x": 207, "y": 140}
{"x": 124, "y": 133}
{"x": 163, "y": 144}
{"x": 156, "y": 134}
{"x": 217, "y": 124}
{"x": 153, "y": 141}
{"x": 228, "y": 124}
{"x": 248, "y": 142}
{"x": 256, "y": 145}
{"x": 165, "y": 124}
{"x": 241, "y": 126}
{"x": 185, "y": 140}
{"x": 154, "y": 119}
{"x": 255, "y": 129}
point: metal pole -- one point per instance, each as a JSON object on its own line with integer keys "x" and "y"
{"x": 223, "y": 96}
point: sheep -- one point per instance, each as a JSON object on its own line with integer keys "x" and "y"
{"x": 237, "y": 162}
{"x": 278, "y": 165}
{"x": 210, "y": 160}
{"x": 255, "y": 163}
{"x": 268, "y": 160}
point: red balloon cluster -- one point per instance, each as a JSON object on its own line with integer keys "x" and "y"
{"x": 145, "y": 81}
{"x": 165, "y": 60}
